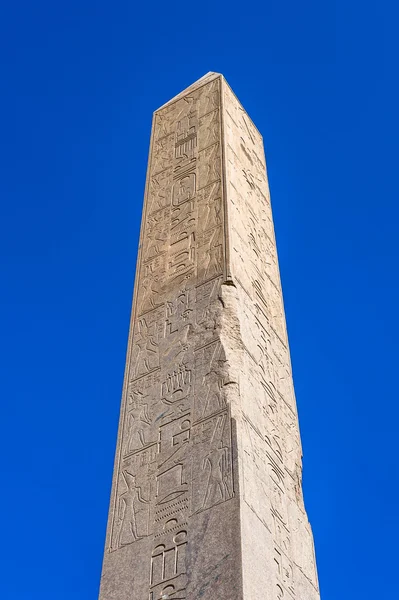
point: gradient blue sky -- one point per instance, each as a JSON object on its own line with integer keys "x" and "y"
{"x": 79, "y": 81}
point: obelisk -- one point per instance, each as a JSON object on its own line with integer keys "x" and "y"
{"x": 206, "y": 499}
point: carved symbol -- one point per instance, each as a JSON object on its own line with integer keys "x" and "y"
{"x": 281, "y": 531}
{"x": 156, "y": 234}
{"x": 209, "y": 165}
{"x": 173, "y": 440}
{"x": 186, "y": 135}
{"x": 181, "y": 264}
{"x": 186, "y": 138}
{"x": 210, "y": 207}
{"x": 172, "y": 524}
{"x": 163, "y": 123}
{"x": 285, "y": 571}
{"x": 145, "y": 356}
{"x": 171, "y": 484}
{"x": 139, "y": 424}
{"x": 178, "y": 312}
{"x": 253, "y": 180}
{"x": 211, "y": 395}
{"x": 133, "y": 512}
{"x": 214, "y": 255}
{"x": 173, "y": 444}
{"x": 162, "y": 155}
{"x": 147, "y": 352}
{"x": 183, "y": 189}
{"x": 151, "y": 293}
{"x": 254, "y": 238}
{"x": 179, "y": 344}
{"x": 207, "y": 314}
{"x": 279, "y": 592}
{"x": 276, "y": 472}
{"x": 169, "y": 593}
{"x": 182, "y": 223}
{"x": 168, "y": 568}
{"x": 269, "y": 303}
{"x": 207, "y": 293}
{"x": 259, "y": 293}
{"x": 159, "y": 190}
{"x": 142, "y": 464}
{"x": 217, "y": 485}
{"x": 213, "y": 482}
{"x": 177, "y": 385}
{"x": 274, "y": 441}
{"x": 185, "y": 108}
{"x": 271, "y": 402}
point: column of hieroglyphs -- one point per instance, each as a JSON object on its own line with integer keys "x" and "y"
{"x": 279, "y": 559}
{"x": 174, "y": 457}
{"x": 206, "y": 500}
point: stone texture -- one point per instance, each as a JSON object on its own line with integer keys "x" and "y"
{"x": 206, "y": 499}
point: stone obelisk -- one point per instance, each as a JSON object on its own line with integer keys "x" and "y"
{"x": 206, "y": 500}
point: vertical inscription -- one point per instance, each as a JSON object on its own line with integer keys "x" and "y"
{"x": 168, "y": 577}
{"x": 271, "y": 452}
{"x": 175, "y": 442}
{"x": 212, "y": 482}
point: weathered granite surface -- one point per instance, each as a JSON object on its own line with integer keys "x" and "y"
{"x": 206, "y": 500}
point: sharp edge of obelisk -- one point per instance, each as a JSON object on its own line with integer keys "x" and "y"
{"x": 207, "y": 78}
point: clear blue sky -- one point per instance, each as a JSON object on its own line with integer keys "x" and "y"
{"x": 79, "y": 81}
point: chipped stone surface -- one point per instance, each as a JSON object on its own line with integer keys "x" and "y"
{"x": 206, "y": 499}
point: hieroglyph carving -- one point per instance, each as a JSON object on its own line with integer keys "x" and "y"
{"x": 164, "y": 474}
